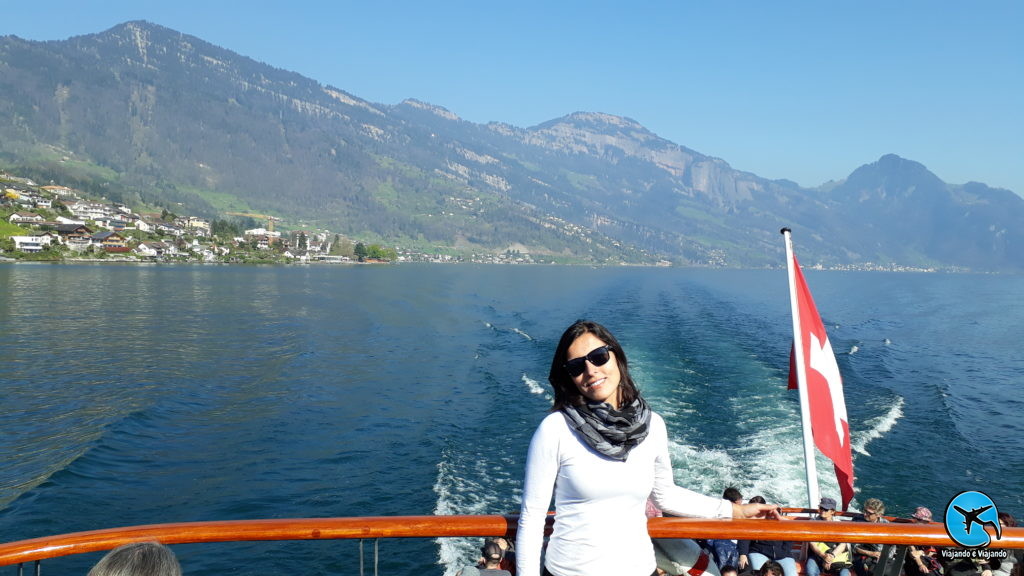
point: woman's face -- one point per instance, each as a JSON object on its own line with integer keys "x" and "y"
{"x": 596, "y": 383}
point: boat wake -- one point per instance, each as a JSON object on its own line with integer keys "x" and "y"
{"x": 471, "y": 483}
{"x": 877, "y": 427}
{"x": 536, "y": 387}
{"x": 523, "y": 334}
{"x": 513, "y": 330}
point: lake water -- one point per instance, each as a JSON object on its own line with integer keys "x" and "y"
{"x": 140, "y": 394}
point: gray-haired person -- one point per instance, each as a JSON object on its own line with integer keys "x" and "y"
{"x": 138, "y": 559}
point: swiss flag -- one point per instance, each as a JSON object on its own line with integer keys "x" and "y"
{"x": 829, "y": 423}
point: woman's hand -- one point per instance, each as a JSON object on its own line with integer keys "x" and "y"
{"x": 742, "y": 511}
{"x": 743, "y": 562}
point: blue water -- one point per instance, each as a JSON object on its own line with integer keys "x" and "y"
{"x": 144, "y": 394}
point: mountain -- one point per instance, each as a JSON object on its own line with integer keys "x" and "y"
{"x": 147, "y": 115}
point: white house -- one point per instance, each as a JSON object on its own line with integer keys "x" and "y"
{"x": 89, "y": 210}
{"x": 32, "y": 243}
{"x": 263, "y": 232}
{"x": 25, "y": 218}
{"x": 169, "y": 229}
{"x": 155, "y": 249}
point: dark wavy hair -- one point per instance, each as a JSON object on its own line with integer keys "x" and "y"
{"x": 566, "y": 393}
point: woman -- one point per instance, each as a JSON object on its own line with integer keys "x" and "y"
{"x": 602, "y": 452}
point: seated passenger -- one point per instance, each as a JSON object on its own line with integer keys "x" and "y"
{"x": 508, "y": 553}
{"x": 754, "y": 553}
{"x": 138, "y": 559}
{"x": 865, "y": 556}
{"x": 492, "y": 560}
{"x": 726, "y": 552}
{"x": 827, "y": 557}
{"x": 771, "y": 568}
{"x": 1011, "y": 564}
{"x": 922, "y": 561}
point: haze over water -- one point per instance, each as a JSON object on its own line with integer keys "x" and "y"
{"x": 149, "y": 394}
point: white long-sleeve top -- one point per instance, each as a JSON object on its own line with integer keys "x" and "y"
{"x": 600, "y": 521}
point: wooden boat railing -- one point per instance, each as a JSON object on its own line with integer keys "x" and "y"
{"x": 363, "y": 528}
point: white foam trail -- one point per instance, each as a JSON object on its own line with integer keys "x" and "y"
{"x": 469, "y": 483}
{"x": 767, "y": 463}
{"x": 458, "y": 493}
{"x": 877, "y": 427}
{"x": 707, "y": 471}
{"x": 535, "y": 387}
{"x": 854, "y": 349}
{"x": 523, "y": 334}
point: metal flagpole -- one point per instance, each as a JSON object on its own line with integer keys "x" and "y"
{"x": 801, "y": 377}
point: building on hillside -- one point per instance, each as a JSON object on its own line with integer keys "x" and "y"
{"x": 25, "y": 218}
{"x": 155, "y": 249}
{"x": 75, "y": 236}
{"x": 65, "y": 220}
{"x": 262, "y": 242}
{"x": 33, "y": 243}
{"x": 200, "y": 226}
{"x": 296, "y": 254}
{"x": 112, "y": 223}
{"x": 89, "y": 210}
{"x": 169, "y": 229}
{"x": 62, "y": 191}
{"x": 263, "y": 232}
{"x": 109, "y": 241}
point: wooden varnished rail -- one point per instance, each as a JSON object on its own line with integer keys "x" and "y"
{"x": 470, "y": 526}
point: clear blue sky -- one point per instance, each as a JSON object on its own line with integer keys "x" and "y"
{"x": 805, "y": 90}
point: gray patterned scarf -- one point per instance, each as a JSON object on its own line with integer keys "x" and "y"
{"x": 610, "y": 432}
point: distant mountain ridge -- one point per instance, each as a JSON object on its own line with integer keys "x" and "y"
{"x": 146, "y": 114}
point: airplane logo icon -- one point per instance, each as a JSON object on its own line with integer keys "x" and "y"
{"x": 971, "y": 518}
{"x": 965, "y": 511}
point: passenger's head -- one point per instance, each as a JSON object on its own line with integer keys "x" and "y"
{"x": 729, "y": 570}
{"x": 501, "y": 542}
{"x": 827, "y": 507}
{"x": 771, "y": 568}
{"x": 873, "y": 509}
{"x": 1006, "y": 520}
{"x": 492, "y": 554}
{"x": 589, "y": 365}
{"x": 138, "y": 559}
{"x": 922, "y": 515}
{"x": 758, "y": 500}
{"x": 733, "y": 495}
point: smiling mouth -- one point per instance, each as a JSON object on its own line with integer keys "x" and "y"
{"x": 595, "y": 383}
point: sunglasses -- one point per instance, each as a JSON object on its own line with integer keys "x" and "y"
{"x": 597, "y": 357}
